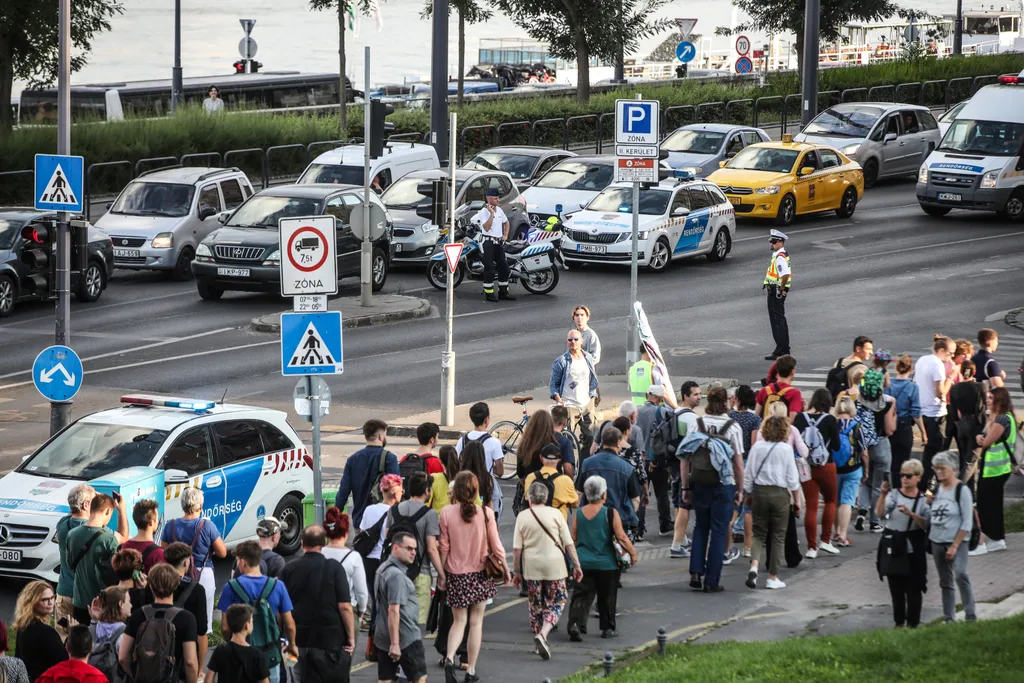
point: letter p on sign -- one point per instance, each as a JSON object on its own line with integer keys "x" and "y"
{"x": 636, "y": 122}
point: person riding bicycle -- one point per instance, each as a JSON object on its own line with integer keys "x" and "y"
{"x": 494, "y": 227}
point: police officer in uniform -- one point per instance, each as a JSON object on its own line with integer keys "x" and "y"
{"x": 777, "y": 281}
{"x": 494, "y": 227}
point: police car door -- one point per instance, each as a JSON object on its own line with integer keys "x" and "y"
{"x": 675, "y": 223}
{"x": 240, "y": 452}
{"x": 192, "y": 452}
{"x": 696, "y": 232}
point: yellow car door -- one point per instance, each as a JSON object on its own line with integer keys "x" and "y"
{"x": 834, "y": 180}
{"x": 807, "y": 186}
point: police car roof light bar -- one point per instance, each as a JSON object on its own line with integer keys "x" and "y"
{"x": 683, "y": 174}
{"x": 168, "y": 402}
{"x": 1012, "y": 79}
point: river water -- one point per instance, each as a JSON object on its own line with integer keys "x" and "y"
{"x": 291, "y": 36}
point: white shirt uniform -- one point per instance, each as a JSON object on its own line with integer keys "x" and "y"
{"x": 782, "y": 264}
{"x": 497, "y": 228}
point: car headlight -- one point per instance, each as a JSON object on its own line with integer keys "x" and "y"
{"x": 989, "y": 180}
{"x": 429, "y": 227}
{"x": 922, "y": 175}
{"x": 164, "y": 240}
{"x": 850, "y": 149}
{"x": 273, "y": 259}
{"x": 204, "y": 250}
{"x": 768, "y": 189}
{"x": 643, "y": 234}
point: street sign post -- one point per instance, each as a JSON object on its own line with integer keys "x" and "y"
{"x": 306, "y": 389}
{"x": 685, "y": 27}
{"x": 59, "y": 183}
{"x": 742, "y": 45}
{"x": 309, "y": 261}
{"x": 57, "y": 373}
{"x": 453, "y": 252}
{"x": 686, "y": 51}
{"x": 744, "y": 65}
{"x": 636, "y": 170}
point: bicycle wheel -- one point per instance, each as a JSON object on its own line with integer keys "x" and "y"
{"x": 508, "y": 433}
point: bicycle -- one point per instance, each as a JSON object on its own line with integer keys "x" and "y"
{"x": 509, "y": 433}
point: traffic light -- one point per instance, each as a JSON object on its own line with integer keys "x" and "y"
{"x": 437, "y": 209}
{"x": 239, "y": 66}
{"x": 254, "y": 66}
{"x": 38, "y": 254}
{"x": 379, "y": 127}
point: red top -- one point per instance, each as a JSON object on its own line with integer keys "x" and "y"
{"x": 794, "y": 400}
{"x": 154, "y": 556}
{"x": 434, "y": 464}
{"x": 72, "y": 671}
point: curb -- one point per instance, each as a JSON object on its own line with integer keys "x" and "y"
{"x": 410, "y": 431}
{"x": 272, "y": 323}
{"x": 1015, "y": 318}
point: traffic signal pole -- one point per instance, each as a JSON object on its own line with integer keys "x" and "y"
{"x": 366, "y": 260}
{"x": 60, "y": 412}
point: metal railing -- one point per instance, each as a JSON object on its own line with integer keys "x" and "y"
{"x": 296, "y": 147}
{"x": 88, "y": 199}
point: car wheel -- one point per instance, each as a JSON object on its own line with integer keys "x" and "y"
{"x": 379, "y": 266}
{"x": 1014, "y": 209}
{"x": 8, "y": 296}
{"x": 787, "y": 211}
{"x": 182, "y": 270}
{"x": 849, "y": 203}
{"x": 90, "y": 285}
{"x": 935, "y": 211}
{"x": 660, "y": 256}
{"x": 721, "y": 246}
{"x": 289, "y": 513}
{"x": 207, "y": 291}
{"x": 870, "y": 173}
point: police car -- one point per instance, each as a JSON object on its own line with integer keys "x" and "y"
{"x": 679, "y": 218}
{"x": 979, "y": 164}
{"x": 248, "y": 462}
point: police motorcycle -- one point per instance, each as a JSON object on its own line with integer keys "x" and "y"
{"x": 530, "y": 264}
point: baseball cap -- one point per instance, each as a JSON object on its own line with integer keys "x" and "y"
{"x": 656, "y": 390}
{"x": 492, "y": 193}
{"x": 551, "y": 452}
{"x": 267, "y": 527}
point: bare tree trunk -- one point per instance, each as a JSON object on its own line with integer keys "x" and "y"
{"x": 343, "y": 84}
{"x": 462, "y": 59}
{"x": 6, "y": 85}
{"x": 798, "y": 45}
{"x": 582, "y": 67}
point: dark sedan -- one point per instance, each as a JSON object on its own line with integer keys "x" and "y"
{"x": 524, "y": 164}
{"x": 16, "y": 282}
{"x": 245, "y": 255}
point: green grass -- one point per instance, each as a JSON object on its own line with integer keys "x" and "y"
{"x": 986, "y": 651}
{"x": 1013, "y": 517}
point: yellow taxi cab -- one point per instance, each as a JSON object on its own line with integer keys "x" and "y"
{"x": 781, "y": 180}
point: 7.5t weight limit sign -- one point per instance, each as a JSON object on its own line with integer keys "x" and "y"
{"x": 308, "y": 256}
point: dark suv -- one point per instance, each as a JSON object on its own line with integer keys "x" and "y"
{"x": 245, "y": 255}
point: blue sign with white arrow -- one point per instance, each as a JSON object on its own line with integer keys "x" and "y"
{"x": 57, "y": 373}
{"x": 59, "y": 183}
{"x": 311, "y": 344}
{"x": 686, "y": 51}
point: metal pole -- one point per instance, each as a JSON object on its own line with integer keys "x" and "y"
{"x": 313, "y": 391}
{"x": 958, "y": 29}
{"x": 448, "y": 357}
{"x": 366, "y": 257}
{"x": 439, "y": 79}
{"x": 632, "y": 338}
{"x": 176, "y": 85}
{"x": 60, "y": 413}
{"x": 812, "y": 18}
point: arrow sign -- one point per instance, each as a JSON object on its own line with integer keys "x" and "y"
{"x": 831, "y": 246}
{"x": 57, "y": 373}
{"x": 453, "y": 252}
{"x": 46, "y": 376}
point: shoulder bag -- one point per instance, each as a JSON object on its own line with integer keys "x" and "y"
{"x": 893, "y": 558}
{"x": 494, "y": 567}
{"x": 622, "y": 558}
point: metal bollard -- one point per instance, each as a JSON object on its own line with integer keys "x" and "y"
{"x": 662, "y": 639}
{"x": 609, "y": 663}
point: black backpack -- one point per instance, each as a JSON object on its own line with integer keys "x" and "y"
{"x": 413, "y": 462}
{"x": 366, "y": 539}
{"x": 104, "y": 653}
{"x": 406, "y": 523}
{"x": 155, "y": 644}
{"x": 549, "y": 482}
{"x": 838, "y": 378}
{"x": 665, "y": 436}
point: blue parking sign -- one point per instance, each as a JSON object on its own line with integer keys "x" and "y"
{"x": 636, "y": 122}
{"x": 59, "y": 183}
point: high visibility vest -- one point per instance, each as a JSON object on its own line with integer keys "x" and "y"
{"x": 996, "y": 458}
{"x": 640, "y": 380}
{"x": 772, "y": 278}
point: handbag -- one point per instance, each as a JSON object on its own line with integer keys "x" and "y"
{"x": 622, "y": 558}
{"x": 893, "y": 558}
{"x": 494, "y": 567}
{"x": 434, "y": 611}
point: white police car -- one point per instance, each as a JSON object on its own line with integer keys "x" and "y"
{"x": 248, "y": 462}
{"x": 679, "y": 218}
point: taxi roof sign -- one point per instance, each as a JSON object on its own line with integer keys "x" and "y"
{"x": 787, "y": 138}
{"x": 168, "y": 402}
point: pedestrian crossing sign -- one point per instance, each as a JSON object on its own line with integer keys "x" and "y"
{"x": 311, "y": 343}
{"x": 59, "y": 183}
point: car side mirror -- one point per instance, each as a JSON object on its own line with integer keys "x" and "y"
{"x": 889, "y": 137}
{"x": 806, "y": 170}
{"x": 222, "y": 217}
{"x": 680, "y": 211}
{"x": 583, "y": 205}
{"x": 476, "y": 205}
{"x": 175, "y": 476}
{"x": 721, "y": 164}
{"x": 207, "y": 212}
{"x": 730, "y": 155}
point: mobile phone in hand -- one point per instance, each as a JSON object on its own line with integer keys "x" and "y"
{"x": 116, "y": 497}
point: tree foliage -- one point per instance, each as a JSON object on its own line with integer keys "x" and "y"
{"x": 666, "y": 51}
{"x": 469, "y": 12}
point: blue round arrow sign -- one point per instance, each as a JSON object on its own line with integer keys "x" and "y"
{"x": 57, "y": 373}
{"x": 685, "y": 51}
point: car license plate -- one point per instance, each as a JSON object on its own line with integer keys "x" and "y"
{"x": 233, "y": 272}
{"x": 949, "y": 197}
{"x": 591, "y": 249}
{"x": 398, "y": 248}
{"x": 12, "y": 556}
{"x": 127, "y": 253}
{"x": 736, "y": 200}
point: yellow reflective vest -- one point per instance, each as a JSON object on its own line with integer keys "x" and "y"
{"x": 640, "y": 379}
{"x": 772, "y": 277}
{"x": 997, "y": 457}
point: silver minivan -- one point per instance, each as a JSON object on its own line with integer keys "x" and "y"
{"x": 160, "y": 218}
{"x": 886, "y": 139}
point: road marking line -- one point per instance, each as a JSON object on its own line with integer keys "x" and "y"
{"x": 97, "y": 308}
{"x": 924, "y": 246}
{"x": 87, "y": 335}
{"x": 796, "y": 232}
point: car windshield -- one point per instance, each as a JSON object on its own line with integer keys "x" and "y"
{"x": 620, "y": 200}
{"x": 988, "y": 138}
{"x": 335, "y": 174}
{"x": 264, "y": 211}
{"x": 694, "y": 142}
{"x": 855, "y": 122}
{"x": 519, "y": 166}
{"x": 154, "y": 199}
{"x": 577, "y": 175}
{"x": 766, "y": 159}
{"x": 89, "y": 450}
{"x": 403, "y": 193}
{"x": 9, "y": 231}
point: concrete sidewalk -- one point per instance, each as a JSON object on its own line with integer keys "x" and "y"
{"x": 386, "y": 308}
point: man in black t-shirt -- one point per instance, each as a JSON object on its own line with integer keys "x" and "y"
{"x": 322, "y": 608}
{"x": 162, "y": 581}
{"x": 236, "y": 661}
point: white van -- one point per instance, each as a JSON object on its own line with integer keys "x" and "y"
{"x": 979, "y": 164}
{"x": 344, "y": 165}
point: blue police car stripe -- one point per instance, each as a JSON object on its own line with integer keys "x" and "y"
{"x": 697, "y": 224}
{"x": 22, "y": 505}
{"x": 970, "y": 168}
{"x": 242, "y": 479}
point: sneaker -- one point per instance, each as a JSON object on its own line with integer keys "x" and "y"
{"x": 731, "y": 555}
{"x": 449, "y": 672}
{"x": 574, "y": 634}
{"x": 876, "y": 528}
{"x": 695, "y": 582}
{"x": 843, "y": 542}
{"x": 752, "y": 578}
{"x": 811, "y": 554}
{"x": 827, "y": 547}
{"x": 774, "y": 584}
{"x": 745, "y": 553}
{"x": 687, "y": 543}
{"x": 609, "y": 634}
{"x": 982, "y": 549}
{"x": 859, "y": 524}
{"x": 666, "y": 532}
{"x": 714, "y": 589}
{"x": 678, "y": 553}
{"x": 542, "y": 647}
{"x": 490, "y": 601}
{"x": 995, "y": 546}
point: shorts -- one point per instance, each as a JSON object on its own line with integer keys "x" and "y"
{"x": 849, "y": 485}
{"x": 413, "y": 663}
{"x": 677, "y": 493}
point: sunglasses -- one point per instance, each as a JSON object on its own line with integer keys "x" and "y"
{"x": 572, "y": 338}
{"x": 908, "y": 475}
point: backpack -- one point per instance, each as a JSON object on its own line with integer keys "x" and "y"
{"x": 665, "y": 436}
{"x": 702, "y": 466}
{"x": 266, "y": 635}
{"x": 413, "y": 462}
{"x": 104, "y": 653}
{"x": 376, "y": 496}
{"x": 774, "y": 395}
{"x": 154, "y": 647}
{"x": 842, "y": 456}
{"x": 817, "y": 451}
{"x": 549, "y": 482}
{"x": 838, "y": 378}
{"x": 406, "y": 523}
{"x": 193, "y": 571}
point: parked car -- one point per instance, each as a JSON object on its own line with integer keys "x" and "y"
{"x": 344, "y": 165}
{"x": 14, "y": 273}
{"x": 245, "y": 253}
{"x": 571, "y": 183}
{"x": 699, "y": 147}
{"x": 160, "y": 218}
{"x": 524, "y": 164}
{"x": 886, "y": 139}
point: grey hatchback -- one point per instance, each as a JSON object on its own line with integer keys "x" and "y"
{"x": 699, "y": 147}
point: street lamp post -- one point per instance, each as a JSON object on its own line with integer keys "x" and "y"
{"x": 958, "y": 29}
{"x": 176, "y": 84}
{"x": 809, "y": 101}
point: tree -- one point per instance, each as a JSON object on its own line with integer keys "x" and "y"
{"x": 28, "y": 41}
{"x": 470, "y": 12}
{"x": 346, "y": 13}
{"x": 582, "y": 29}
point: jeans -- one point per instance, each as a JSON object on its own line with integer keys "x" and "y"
{"x": 822, "y": 479}
{"x": 879, "y": 461}
{"x": 712, "y": 508}
{"x": 275, "y": 674}
{"x": 901, "y": 444}
{"x": 950, "y": 572}
{"x": 777, "y": 318}
{"x": 660, "y": 480}
{"x": 933, "y": 428}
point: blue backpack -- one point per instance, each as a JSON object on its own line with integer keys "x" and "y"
{"x": 844, "y": 454}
